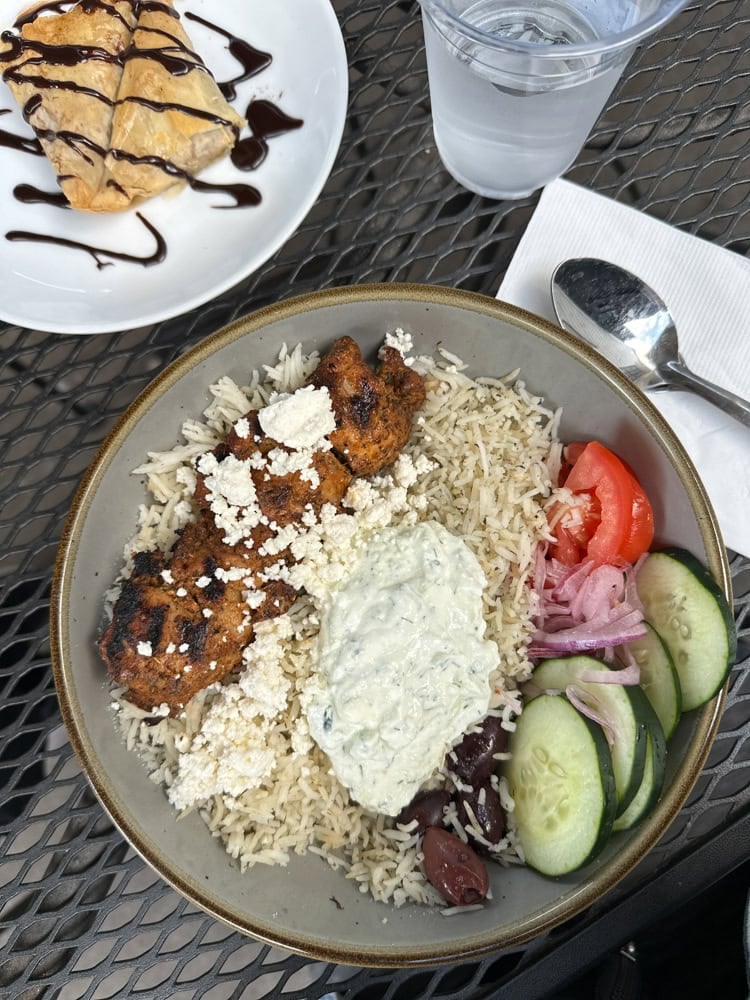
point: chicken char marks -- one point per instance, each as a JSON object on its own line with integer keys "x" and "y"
{"x": 181, "y": 622}
{"x": 373, "y": 410}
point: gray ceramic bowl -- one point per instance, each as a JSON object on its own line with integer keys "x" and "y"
{"x": 293, "y": 906}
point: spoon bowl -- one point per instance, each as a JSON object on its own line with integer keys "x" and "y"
{"x": 627, "y": 322}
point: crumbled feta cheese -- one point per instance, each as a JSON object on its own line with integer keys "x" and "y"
{"x": 182, "y": 514}
{"x": 360, "y": 495}
{"x": 301, "y": 419}
{"x": 187, "y": 478}
{"x": 230, "y": 754}
{"x": 231, "y": 494}
{"x": 230, "y": 575}
{"x": 207, "y": 612}
{"x": 229, "y": 479}
{"x": 280, "y": 541}
{"x": 144, "y": 649}
{"x": 302, "y": 742}
{"x": 311, "y": 476}
{"x": 242, "y": 428}
{"x": 183, "y": 647}
{"x": 181, "y": 592}
{"x": 283, "y": 463}
{"x": 202, "y": 582}
{"x": 406, "y": 471}
{"x": 401, "y": 341}
{"x": 166, "y": 575}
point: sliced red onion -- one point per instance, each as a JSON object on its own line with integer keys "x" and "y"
{"x": 597, "y": 714}
{"x": 592, "y": 635}
{"x": 631, "y": 580}
{"x": 560, "y": 644}
{"x": 585, "y": 608}
{"x": 602, "y": 589}
{"x": 555, "y": 623}
{"x": 532, "y": 690}
{"x": 625, "y": 675}
{"x": 566, "y": 590}
{"x": 538, "y": 652}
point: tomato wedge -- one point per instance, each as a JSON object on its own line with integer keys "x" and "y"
{"x": 641, "y": 532}
{"x": 574, "y": 525}
{"x": 612, "y": 520}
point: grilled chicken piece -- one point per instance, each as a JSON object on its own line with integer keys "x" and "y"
{"x": 169, "y": 640}
{"x": 200, "y": 551}
{"x": 161, "y": 647}
{"x": 406, "y": 385}
{"x": 373, "y": 410}
{"x": 282, "y": 499}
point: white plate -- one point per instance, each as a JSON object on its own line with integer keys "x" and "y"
{"x": 61, "y": 290}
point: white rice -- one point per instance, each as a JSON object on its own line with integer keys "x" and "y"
{"x": 493, "y": 455}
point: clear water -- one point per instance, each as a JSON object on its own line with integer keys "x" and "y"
{"x": 506, "y": 125}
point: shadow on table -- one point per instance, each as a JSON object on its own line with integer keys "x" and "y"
{"x": 700, "y": 952}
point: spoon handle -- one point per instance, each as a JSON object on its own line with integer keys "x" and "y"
{"x": 682, "y": 377}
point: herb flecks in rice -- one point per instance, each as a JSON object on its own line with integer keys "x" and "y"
{"x": 481, "y": 461}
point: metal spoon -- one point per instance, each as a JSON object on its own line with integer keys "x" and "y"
{"x": 628, "y": 323}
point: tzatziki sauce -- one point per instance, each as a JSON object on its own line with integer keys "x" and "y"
{"x": 403, "y": 665}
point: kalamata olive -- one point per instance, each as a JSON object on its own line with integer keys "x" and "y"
{"x": 473, "y": 759}
{"x": 453, "y": 868}
{"x": 426, "y": 808}
{"x": 488, "y": 811}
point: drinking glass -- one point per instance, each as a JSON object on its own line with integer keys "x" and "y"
{"x": 516, "y": 85}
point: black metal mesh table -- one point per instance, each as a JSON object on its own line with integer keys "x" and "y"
{"x": 80, "y": 913}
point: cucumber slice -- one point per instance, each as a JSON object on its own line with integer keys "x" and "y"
{"x": 653, "y": 774}
{"x": 621, "y": 707}
{"x": 560, "y": 776}
{"x": 659, "y": 680}
{"x": 691, "y": 614}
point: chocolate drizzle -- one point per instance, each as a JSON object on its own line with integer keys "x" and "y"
{"x": 195, "y": 112}
{"x": 60, "y": 6}
{"x": 265, "y": 119}
{"x": 97, "y": 253}
{"x": 53, "y": 7}
{"x": 27, "y": 194}
{"x": 167, "y": 56}
{"x": 22, "y": 143}
{"x": 52, "y": 55}
{"x": 244, "y": 195}
{"x": 252, "y": 60}
{"x": 33, "y": 104}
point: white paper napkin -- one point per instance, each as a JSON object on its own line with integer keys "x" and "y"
{"x": 707, "y": 290}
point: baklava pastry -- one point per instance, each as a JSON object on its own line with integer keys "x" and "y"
{"x": 171, "y": 120}
{"x": 65, "y": 71}
{"x": 123, "y": 106}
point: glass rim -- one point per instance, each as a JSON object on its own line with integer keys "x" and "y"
{"x": 631, "y": 37}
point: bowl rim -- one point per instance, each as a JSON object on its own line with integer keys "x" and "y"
{"x": 487, "y": 942}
